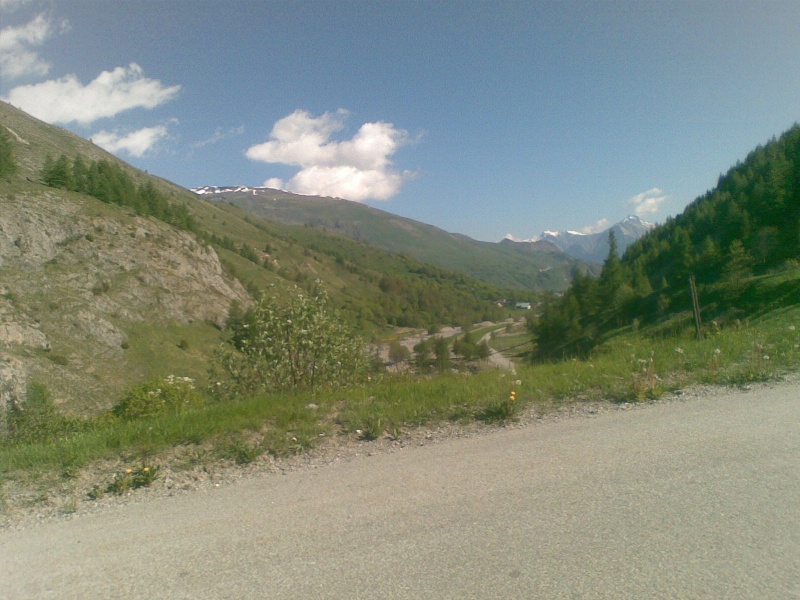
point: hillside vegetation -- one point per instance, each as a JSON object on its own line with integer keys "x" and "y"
{"x": 531, "y": 267}
{"x": 740, "y": 242}
{"x": 110, "y": 276}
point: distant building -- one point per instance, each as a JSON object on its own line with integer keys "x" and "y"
{"x": 523, "y": 306}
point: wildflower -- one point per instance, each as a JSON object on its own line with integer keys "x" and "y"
{"x": 791, "y": 328}
{"x": 128, "y": 471}
{"x": 146, "y": 470}
{"x": 679, "y": 350}
{"x": 717, "y": 351}
{"x": 766, "y": 357}
{"x": 518, "y": 382}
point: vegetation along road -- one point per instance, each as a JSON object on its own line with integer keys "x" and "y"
{"x": 692, "y": 498}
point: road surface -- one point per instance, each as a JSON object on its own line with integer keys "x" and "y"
{"x": 682, "y": 499}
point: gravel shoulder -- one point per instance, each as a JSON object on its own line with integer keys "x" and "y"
{"x": 70, "y": 500}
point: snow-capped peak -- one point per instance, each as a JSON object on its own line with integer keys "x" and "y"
{"x": 215, "y": 189}
{"x": 592, "y": 246}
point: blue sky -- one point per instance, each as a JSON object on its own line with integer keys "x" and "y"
{"x": 482, "y": 118}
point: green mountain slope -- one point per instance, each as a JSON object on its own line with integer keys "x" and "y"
{"x": 109, "y": 276}
{"x": 740, "y": 242}
{"x": 529, "y": 266}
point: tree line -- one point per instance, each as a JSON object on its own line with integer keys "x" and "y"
{"x": 112, "y": 184}
{"x": 748, "y": 224}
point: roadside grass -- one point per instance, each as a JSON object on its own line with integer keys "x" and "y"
{"x": 632, "y": 366}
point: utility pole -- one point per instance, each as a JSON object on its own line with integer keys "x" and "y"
{"x": 698, "y": 323}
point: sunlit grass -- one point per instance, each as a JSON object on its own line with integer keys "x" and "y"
{"x": 631, "y": 367}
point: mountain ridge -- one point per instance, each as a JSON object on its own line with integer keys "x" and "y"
{"x": 593, "y": 247}
{"x": 532, "y": 267}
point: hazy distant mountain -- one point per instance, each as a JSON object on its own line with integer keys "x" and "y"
{"x": 593, "y": 247}
{"x": 531, "y": 266}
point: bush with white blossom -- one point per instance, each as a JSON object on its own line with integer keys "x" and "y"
{"x": 286, "y": 343}
{"x": 170, "y": 394}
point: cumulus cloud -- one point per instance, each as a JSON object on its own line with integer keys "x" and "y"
{"x": 647, "y": 203}
{"x": 136, "y": 143}
{"x": 359, "y": 168}
{"x": 66, "y": 100}
{"x": 18, "y": 57}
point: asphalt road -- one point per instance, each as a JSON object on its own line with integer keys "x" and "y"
{"x": 694, "y": 499}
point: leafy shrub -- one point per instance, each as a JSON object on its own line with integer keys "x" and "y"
{"x": 171, "y": 394}
{"x": 298, "y": 342}
{"x": 37, "y": 419}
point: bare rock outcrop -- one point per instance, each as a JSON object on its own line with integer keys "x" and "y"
{"x": 76, "y": 274}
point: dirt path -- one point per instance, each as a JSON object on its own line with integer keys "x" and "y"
{"x": 679, "y": 499}
{"x": 495, "y": 357}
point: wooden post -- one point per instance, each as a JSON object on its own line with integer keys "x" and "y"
{"x": 698, "y": 323}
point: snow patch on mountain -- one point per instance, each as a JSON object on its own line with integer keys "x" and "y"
{"x": 226, "y": 189}
{"x": 593, "y": 247}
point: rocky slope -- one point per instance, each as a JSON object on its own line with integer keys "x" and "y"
{"x": 77, "y": 276}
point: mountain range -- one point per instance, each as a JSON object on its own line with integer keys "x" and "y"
{"x": 536, "y": 266}
{"x": 593, "y": 247}
{"x": 110, "y": 276}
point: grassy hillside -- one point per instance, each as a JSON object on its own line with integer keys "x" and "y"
{"x": 101, "y": 286}
{"x": 740, "y": 243}
{"x": 532, "y": 267}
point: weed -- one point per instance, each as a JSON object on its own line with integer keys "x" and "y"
{"x": 242, "y": 452}
{"x": 505, "y": 410}
{"x": 171, "y": 394}
{"x": 645, "y": 382}
{"x": 69, "y": 507}
{"x": 130, "y": 479}
{"x": 37, "y": 419}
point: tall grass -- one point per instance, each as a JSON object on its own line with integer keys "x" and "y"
{"x": 630, "y": 367}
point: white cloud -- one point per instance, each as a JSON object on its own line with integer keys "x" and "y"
{"x": 601, "y": 225}
{"x": 66, "y": 100}
{"x": 17, "y": 55}
{"x": 136, "y": 143}
{"x": 648, "y": 203}
{"x": 358, "y": 169}
{"x": 275, "y": 183}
